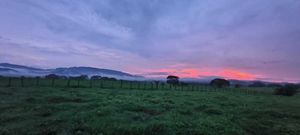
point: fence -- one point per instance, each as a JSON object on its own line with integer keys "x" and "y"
{"x": 118, "y": 84}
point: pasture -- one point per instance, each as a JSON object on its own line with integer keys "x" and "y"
{"x": 61, "y": 110}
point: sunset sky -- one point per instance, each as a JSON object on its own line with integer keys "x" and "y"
{"x": 234, "y": 39}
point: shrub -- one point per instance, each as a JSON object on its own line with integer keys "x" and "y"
{"x": 52, "y": 76}
{"x": 287, "y": 90}
{"x": 173, "y": 80}
{"x": 220, "y": 83}
{"x": 96, "y": 77}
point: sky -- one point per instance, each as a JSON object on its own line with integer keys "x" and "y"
{"x": 233, "y": 39}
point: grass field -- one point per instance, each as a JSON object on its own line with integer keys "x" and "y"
{"x": 51, "y": 111}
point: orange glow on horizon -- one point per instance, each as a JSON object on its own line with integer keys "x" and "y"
{"x": 196, "y": 73}
{"x": 235, "y": 74}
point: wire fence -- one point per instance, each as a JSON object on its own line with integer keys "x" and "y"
{"x": 121, "y": 84}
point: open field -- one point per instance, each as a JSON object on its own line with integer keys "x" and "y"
{"x": 51, "y": 111}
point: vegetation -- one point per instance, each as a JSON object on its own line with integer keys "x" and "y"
{"x": 117, "y": 107}
{"x": 287, "y": 90}
{"x": 174, "y": 80}
{"x": 220, "y": 83}
{"x": 51, "y": 111}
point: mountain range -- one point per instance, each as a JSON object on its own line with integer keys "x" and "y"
{"x": 14, "y": 70}
{"x": 7, "y": 69}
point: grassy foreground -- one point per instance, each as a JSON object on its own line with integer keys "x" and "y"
{"x": 51, "y": 111}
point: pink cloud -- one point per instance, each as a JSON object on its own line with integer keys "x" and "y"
{"x": 199, "y": 73}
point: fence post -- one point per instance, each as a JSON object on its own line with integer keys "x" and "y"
{"x": 9, "y": 82}
{"x": 37, "y": 81}
{"x": 101, "y": 83}
{"x": 91, "y": 83}
{"x": 22, "y": 81}
{"x": 68, "y": 83}
{"x": 145, "y": 85}
{"x": 78, "y": 83}
{"x": 121, "y": 84}
{"x": 130, "y": 84}
{"x": 138, "y": 85}
{"x": 52, "y": 83}
{"x": 152, "y": 86}
{"x": 112, "y": 84}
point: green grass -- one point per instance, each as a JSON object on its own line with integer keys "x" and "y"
{"x": 50, "y": 111}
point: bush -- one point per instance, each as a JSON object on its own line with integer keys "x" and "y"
{"x": 173, "y": 80}
{"x": 220, "y": 83}
{"x": 287, "y": 90}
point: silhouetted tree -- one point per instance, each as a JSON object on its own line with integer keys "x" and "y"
{"x": 96, "y": 77}
{"x": 108, "y": 79}
{"x": 80, "y": 78}
{"x": 218, "y": 82}
{"x": 173, "y": 80}
{"x": 83, "y": 77}
{"x": 63, "y": 77}
{"x": 52, "y": 77}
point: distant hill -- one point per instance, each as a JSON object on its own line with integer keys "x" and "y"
{"x": 7, "y": 69}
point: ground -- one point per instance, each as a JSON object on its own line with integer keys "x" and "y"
{"x": 51, "y": 111}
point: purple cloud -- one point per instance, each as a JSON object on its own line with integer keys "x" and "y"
{"x": 255, "y": 37}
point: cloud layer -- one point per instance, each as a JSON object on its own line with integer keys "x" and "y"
{"x": 250, "y": 39}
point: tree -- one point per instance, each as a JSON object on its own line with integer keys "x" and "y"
{"x": 218, "y": 82}
{"x": 96, "y": 77}
{"x": 63, "y": 77}
{"x": 52, "y": 77}
{"x": 108, "y": 79}
{"x": 81, "y": 77}
{"x": 173, "y": 80}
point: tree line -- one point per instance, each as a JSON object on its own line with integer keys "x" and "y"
{"x": 172, "y": 81}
